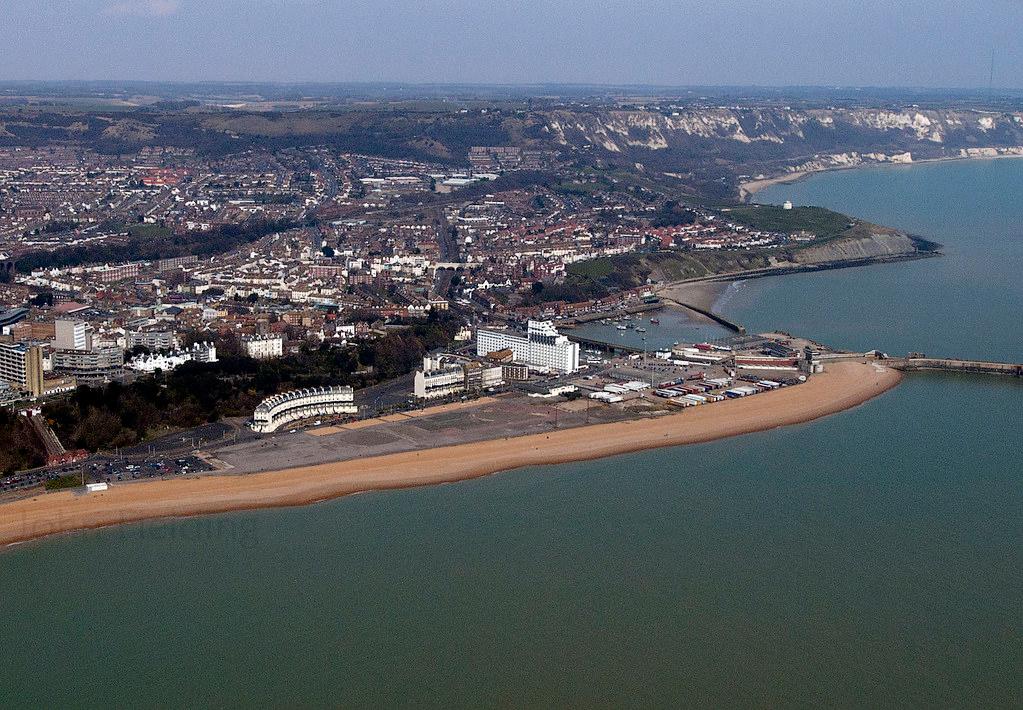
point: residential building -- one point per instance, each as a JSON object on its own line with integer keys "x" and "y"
{"x": 444, "y": 376}
{"x": 151, "y": 340}
{"x": 97, "y": 365}
{"x": 515, "y": 372}
{"x": 430, "y": 383}
{"x": 33, "y": 330}
{"x": 176, "y": 262}
{"x": 119, "y": 272}
{"x": 274, "y": 412}
{"x": 21, "y": 366}
{"x": 263, "y": 347}
{"x": 200, "y": 352}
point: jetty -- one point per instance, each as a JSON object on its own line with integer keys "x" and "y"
{"x": 981, "y": 367}
{"x": 920, "y": 363}
{"x": 613, "y": 348}
{"x": 706, "y": 313}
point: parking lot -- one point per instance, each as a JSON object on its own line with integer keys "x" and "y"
{"x": 107, "y": 469}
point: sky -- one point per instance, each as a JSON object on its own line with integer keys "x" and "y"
{"x": 918, "y": 43}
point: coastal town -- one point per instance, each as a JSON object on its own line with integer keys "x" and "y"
{"x": 119, "y": 269}
{"x": 450, "y": 355}
{"x": 171, "y": 311}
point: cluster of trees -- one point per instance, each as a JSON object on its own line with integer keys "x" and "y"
{"x": 572, "y": 290}
{"x": 20, "y": 448}
{"x": 59, "y": 225}
{"x": 596, "y": 278}
{"x": 144, "y": 247}
{"x": 672, "y": 214}
{"x": 589, "y": 280}
{"x": 197, "y": 393}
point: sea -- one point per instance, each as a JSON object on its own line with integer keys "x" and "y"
{"x": 870, "y": 559}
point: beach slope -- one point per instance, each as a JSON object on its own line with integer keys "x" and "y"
{"x": 844, "y": 385}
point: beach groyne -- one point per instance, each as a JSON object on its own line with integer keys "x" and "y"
{"x": 708, "y": 313}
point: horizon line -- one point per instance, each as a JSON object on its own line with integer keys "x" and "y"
{"x": 507, "y": 85}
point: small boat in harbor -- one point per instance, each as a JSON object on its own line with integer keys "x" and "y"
{"x": 655, "y": 321}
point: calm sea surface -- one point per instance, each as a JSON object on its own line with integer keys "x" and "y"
{"x": 969, "y": 303}
{"x": 870, "y": 559}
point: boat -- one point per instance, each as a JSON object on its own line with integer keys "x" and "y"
{"x": 640, "y": 330}
{"x": 655, "y": 321}
{"x": 620, "y": 327}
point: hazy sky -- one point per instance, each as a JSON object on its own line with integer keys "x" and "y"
{"x": 945, "y": 43}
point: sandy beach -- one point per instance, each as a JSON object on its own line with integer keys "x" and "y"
{"x": 750, "y": 187}
{"x": 702, "y": 294}
{"x": 844, "y": 385}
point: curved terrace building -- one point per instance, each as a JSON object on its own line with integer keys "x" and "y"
{"x": 274, "y": 412}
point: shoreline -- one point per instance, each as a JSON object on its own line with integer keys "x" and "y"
{"x": 751, "y": 187}
{"x": 704, "y": 294}
{"x": 707, "y": 292}
{"x": 843, "y": 386}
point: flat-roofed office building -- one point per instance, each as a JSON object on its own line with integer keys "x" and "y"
{"x": 71, "y": 335}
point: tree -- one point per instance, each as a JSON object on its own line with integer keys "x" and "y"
{"x": 42, "y": 299}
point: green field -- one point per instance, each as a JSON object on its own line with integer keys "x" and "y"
{"x": 817, "y": 220}
{"x": 592, "y": 269}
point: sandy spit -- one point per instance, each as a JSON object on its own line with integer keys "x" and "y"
{"x": 845, "y": 385}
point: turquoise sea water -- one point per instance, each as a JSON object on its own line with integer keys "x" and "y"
{"x": 870, "y": 559}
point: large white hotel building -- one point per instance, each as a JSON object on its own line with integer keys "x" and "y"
{"x": 542, "y": 347}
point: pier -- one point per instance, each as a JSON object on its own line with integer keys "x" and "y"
{"x": 917, "y": 364}
{"x": 920, "y": 363}
{"x": 603, "y": 344}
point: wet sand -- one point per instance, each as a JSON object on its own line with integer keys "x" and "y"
{"x": 844, "y": 385}
{"x": 702, "y": 294}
